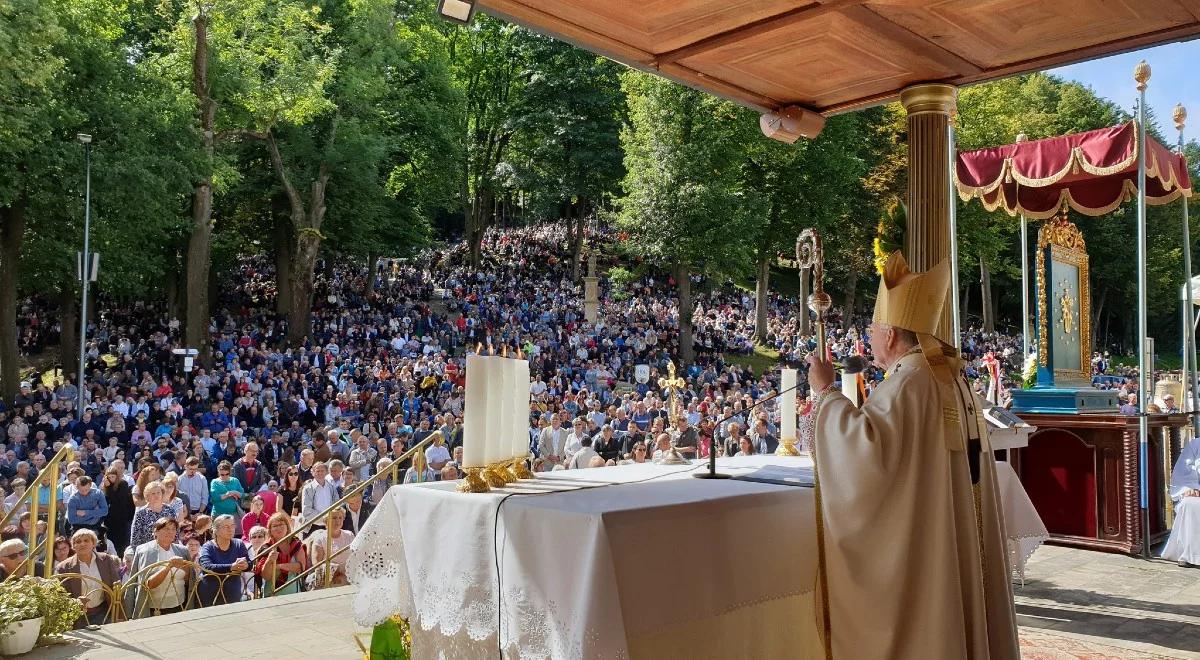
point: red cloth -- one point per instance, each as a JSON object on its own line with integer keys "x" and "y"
{"x": 1094, "y": 172}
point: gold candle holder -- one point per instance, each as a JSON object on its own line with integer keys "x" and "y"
{"x": 787, "y": 447}
{"x": 493, "y": 476}
{"x": 473, "y": 482}
{"x": 520, "y": 470}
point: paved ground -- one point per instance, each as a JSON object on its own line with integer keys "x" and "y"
{"x": 1074, "y": 605}
{"x": 1143, "y": 606}
{"x": 302, "y": 626}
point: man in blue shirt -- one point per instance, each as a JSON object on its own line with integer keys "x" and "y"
{"x": 87, "y": 507}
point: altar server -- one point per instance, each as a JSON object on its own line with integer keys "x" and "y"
{"x": 914, "y": 541}
{"x": 1184, "y": 544}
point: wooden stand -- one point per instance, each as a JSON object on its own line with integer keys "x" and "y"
{"x": 1081, "y": 472}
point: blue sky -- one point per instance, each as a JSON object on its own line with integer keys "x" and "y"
{"x": 1175, "y": 79}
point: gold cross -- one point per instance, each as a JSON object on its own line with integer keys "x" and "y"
{"x": 672, "y": 384}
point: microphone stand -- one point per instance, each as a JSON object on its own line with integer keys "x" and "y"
{"x": 712, "y": 450}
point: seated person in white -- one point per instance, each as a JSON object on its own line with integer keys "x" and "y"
{"x": 1184, "y": 544}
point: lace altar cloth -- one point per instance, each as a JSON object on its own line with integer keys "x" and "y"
{"x": 1022, "y": 524}
{"x": 591, "y": 563}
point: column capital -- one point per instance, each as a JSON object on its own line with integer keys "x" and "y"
{"x": 929, "y": 97}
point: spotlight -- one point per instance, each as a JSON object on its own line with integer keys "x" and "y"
{"x": 457, "y": 11}
{"x": 790, "y": 124}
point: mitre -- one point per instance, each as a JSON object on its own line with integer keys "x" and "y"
{"x": 913, "y": 301}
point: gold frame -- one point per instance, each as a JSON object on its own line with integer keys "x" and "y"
{"x": 1066, "y": 245}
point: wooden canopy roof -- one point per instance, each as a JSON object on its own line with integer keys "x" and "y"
{"x": 832, "y": 56}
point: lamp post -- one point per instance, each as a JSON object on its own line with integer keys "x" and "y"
{"x": 85, "y": 266}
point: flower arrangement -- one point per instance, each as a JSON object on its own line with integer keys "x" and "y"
{"x": 33, "y": 597}
{"x": 1029, "y": 373}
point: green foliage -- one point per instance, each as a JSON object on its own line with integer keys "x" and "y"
{"x": 620, "y": 278}
{"x": 684, "y": 201}
{"x": 31, "y": 597}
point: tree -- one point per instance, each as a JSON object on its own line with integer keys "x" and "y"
{"x": 567, "y": 149}
{"x": 139, "y": 162}
{"x": 491, "y": 71}
{"x": 684, "y": 204}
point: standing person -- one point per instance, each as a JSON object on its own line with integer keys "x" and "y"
{"x": 289, "y": 490}
{"x": 225, "y": 492}
{"x": 249, "y": 471}
{"x": 146, "y": 517}
{"x": 317, "y": 496}
{"x": 194, "y": 485}
{"x": 256, "y": 517}
{"x": 223, "y": 559}
{"x": 87, "y": 507}
{"x": 119, "y": 496}
{"x": 912, "y": 471}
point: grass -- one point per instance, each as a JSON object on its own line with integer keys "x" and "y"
{"x": 761, "y": 360}
{"x": 783, "y": 280}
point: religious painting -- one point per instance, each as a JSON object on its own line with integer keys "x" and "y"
{"x": 1063, "y": 305}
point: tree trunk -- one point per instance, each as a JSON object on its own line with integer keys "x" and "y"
{"x": 68, "y": 339}
{"x": 684, "y": 283}
{"x": 283, "y": 266}
{"x": 175, "y": 287}
{"x": 577, "y": 249}
{"x": 985, "y": 290}
{"x": 851, "y": 293}
{"x": 802, "y": 312}
{"x": 372, "y": 271}
{"x": 304, "y": 264}
{"x": 12, "y": 232}
{"x": 966, "y": 299}
{"x": 306, "y": 223}
{"x": 1097, "y": 312}
{"x": 200, "y": 241}
{"x": 762, "y": 289}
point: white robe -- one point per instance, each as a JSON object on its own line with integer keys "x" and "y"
{"x": 902, "y": 540}
{"x": 1184, "y": 543}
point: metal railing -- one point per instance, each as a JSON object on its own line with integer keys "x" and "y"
{"x": 134, "y": 598}
{"x": 52, "y": 473}
{"x": 325, "y": 516}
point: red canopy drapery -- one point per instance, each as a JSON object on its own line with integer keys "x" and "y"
{"x": 1093, "y": 172}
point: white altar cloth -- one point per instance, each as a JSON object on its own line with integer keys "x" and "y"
{"x": 1022, "y": 524}
{"x": 662, "y": 565}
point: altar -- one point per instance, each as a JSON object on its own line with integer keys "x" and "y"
{"x": 634, "y": 561}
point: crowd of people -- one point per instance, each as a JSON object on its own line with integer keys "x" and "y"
{"x": 179, "y": 477}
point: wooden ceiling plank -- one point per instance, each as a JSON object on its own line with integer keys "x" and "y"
{"x": 911, "y": 40}
{"x": 551, "y": 25}
{"x": 755, "y": 28}
{"x": 1192, "y": 6}
{"x": 722, "y": 88}
{"x": 1105, "y": 49}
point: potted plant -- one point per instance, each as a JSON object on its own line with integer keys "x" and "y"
{"x": 33, "y": 610}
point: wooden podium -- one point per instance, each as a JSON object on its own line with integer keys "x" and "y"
{"x": 1081, "y": 472}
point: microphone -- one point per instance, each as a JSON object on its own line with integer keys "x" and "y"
{"x": 712, "y": 450}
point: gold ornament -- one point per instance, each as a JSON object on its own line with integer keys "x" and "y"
{"x": 1141, "y": 73}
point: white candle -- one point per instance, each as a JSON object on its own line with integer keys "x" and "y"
{"x": 499, "y": 405}
{"x": 787, "y": 404}
{"x": 850, "y": 387}
{"x": 475, "y": 412}
{"x": 520, "y": 414}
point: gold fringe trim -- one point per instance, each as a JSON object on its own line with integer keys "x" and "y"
{"x": 1166, "y": 176}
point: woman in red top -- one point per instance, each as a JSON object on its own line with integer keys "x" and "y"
{"x": 280, "y": 565}
{"x": 256, "y": 517}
